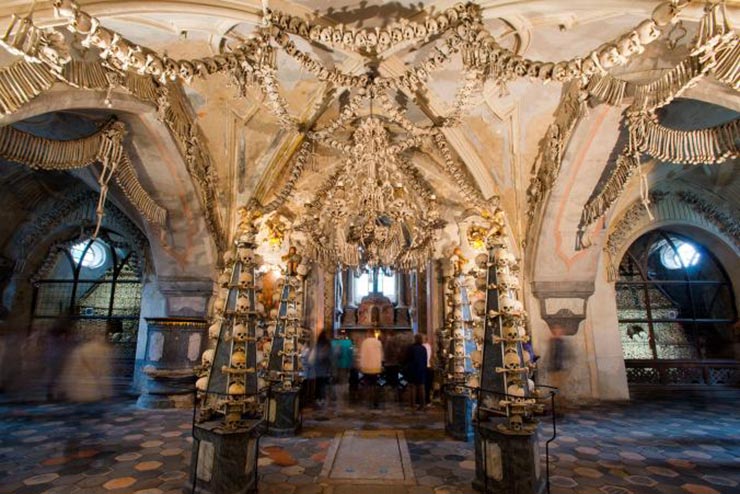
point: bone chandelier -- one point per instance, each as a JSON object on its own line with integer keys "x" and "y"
{"x": 362, "y": 215}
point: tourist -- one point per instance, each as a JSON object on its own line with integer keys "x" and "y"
{"x": 416, "y": 371}
{"x": 322, "y": 365}
{"x": 88, "y": 371}
{"x": 429, "y": 378}
{"x": 343, "y": 358}
{"x": 371, "y": 364}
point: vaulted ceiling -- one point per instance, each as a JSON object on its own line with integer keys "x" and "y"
{"x": 498, "y": 138}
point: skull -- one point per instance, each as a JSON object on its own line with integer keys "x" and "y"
{"x": 432, "y": 26}
{"x": 647, "y": 32}
{"x": 186, "y": 70}
{"x": 301, "y": 270}
{"x": 516, "y": 390}
{"x": 206, "y": 360}
{"x": 476, "y": 356}
{"x": 559, "y": 72}
{"x": 504, "y": 258}
{"x": 245, "y": 279}
{"x": 291, "y": 313}
{"x": 508, "y": 282}
{"x": 510, "y": 330}
{"x": 214, "y": 330}
{"x": 229, "y": 257}
{"x": 473, "y": 381}
{"x": 224, "y": 278}
{"x": 218, "y": 304}
{"x": 481, "y": 284}
{"x": 239, "y": 333}
{"x": 511, "y": 360}
{"x": 480, "y": 308}
{"x": 509, "y": 305}
{"x": 202, "y": 384}
{"x": 457, "y": 313}
{"x": 239, "y": 360}
{"x": 246, "y": 255}
{"x": 243, "y": 304}
{"x": 236, "y": 388}
{"x": 481, "y": 260}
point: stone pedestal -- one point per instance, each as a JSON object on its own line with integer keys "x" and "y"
{"x": 225, "y": 461}
{"x": 459, "y": 415}
{"x": 506, "y": 461}
{"x": 174, "y": 346}
{"x": 283, "y": 412}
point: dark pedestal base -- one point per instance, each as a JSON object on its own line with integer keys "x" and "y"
{"x": 283, "y": 413}
{"x": 459, "y": 416}
{"x": 167, "y": 389}
{"x": 507, "y": 462}
{"x": 225, "y": 461}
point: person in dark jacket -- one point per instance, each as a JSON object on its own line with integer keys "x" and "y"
{"x": 416, "y": 370}
{"x": 322, "y": 367}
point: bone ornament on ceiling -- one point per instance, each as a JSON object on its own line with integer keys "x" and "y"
{"x": 714, "y": 51}
{"x": 105, "y": 147}
{"x": 457, "y": 31}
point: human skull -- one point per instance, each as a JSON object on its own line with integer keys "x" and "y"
{"x": 246, "y": 255}
{"x": 509, "y": 305}
{"x": 476, "y": 356}
{"x": 245, "y": 279}
{"x": 229, "y": 257}
{"x": 481, "y": 284}
{"x": 206, "y": 360}
{"x": 214, "y": 330}
{"x": 509, "y": 330}
{"x": 559, "y": 72}
{"x": 473, "y": 381}
{"x": 508, "y": 281}
{"x": 291, "y": 313}
{"x": 224, "y": 278}
{"x": 239, "y": 360}
{"x": 239, "y": 333}
{"x": 481, "y": 260}
{"x": 243, "y": 304}
{"x": 647, "y": 32}
{"x": 218, "y": 304}
{"x": 480, "y": 307}
{"x": 202, "y": 384}
{"x": 516, "y": 390}
{"x": 504, "y": 258}
{"x": 236, "y": 388}
{"x": 511, "y": 360}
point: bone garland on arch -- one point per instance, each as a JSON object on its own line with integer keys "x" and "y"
{"x": 46, "y": 58}
{"x": 571, "y": 109}
{"x": 702, "y": 146}
{"x": 376, "y": 40}
{"x": 482, "y": 56}
{"x": 106, "y": 144}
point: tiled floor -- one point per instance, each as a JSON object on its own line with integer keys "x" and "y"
{"x": 675, "y": 447}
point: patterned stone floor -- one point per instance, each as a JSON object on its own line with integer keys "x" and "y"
{"x": 666, "y": 447}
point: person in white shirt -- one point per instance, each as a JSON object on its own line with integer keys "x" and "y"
{"x": 371, "y": 365}
{"x": 430, "y": 373}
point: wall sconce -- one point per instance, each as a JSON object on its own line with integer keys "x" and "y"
{"x": 563, "y": 304}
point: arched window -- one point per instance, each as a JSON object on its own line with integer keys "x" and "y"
{"x": 676, "y": 309}
{"x": 97, "y": 285}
